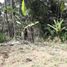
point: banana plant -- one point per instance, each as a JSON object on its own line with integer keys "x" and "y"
{"x": 62, "y": 7}
{"x": 57, "y": 26}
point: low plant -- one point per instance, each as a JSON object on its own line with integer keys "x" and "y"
{"x": 57, "y": 26}
{"x": 64, "y": 36}
{"x": 57, "y": 30}
{"x": 2, "y": 37}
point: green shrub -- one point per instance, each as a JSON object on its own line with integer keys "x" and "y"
{"x": 2, "y": 37}
{"x": 58, "y": 29}
{"x": 49, "y": 33}
{"x": 57, "y": 26}
{"x": 64, "y": 36}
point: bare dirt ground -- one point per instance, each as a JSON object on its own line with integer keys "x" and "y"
{"x": 40, "y": 54}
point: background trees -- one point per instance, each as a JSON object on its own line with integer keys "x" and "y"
{"x": 44, "y": 11}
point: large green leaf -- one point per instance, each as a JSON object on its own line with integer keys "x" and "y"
{"x": 23, "y": 8}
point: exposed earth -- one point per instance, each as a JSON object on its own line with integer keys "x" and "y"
{"x": 26, "y": 54}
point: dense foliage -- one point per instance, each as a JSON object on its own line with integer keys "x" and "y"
{"x": 49, "y": 13}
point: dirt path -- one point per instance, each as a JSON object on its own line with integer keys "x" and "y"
{"x": 33, "y": 55}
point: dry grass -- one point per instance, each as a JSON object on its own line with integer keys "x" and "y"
{"x": 40, "y": 54}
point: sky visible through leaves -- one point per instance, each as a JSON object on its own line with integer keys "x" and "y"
{"x": 1, "y": 1}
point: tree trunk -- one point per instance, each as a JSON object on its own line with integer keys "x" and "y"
{"x": 6, "y": 18}
{"x": 13, "y": 17}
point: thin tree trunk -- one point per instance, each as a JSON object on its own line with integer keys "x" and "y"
{"x": 6, "y": 17}
{"x": 13, "y": 17}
